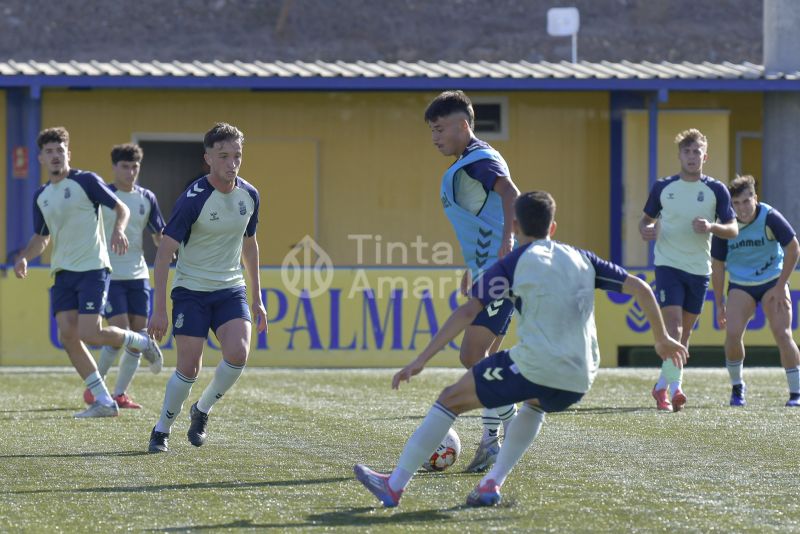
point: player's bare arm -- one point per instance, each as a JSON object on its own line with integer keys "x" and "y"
{"x": 727, "y": 230}
{"x": 250, "y": 262}
{"x": 32, "y": 250}
{"x": 718, "y": 281}
{"x": 648, "y": 228}
{"x": 666, "y": 347}
{"x": 777, "y": 295}
{"x": 158, "y": 323}
{"x": 508, "y": 193}
{"x": 119, "y": 241}
{"x": 459, "y": 320}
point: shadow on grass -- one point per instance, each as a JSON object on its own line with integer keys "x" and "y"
{"x": 351, "y": 517}
{"x": 29, "y": 410}
{"x": 192, "y": 486}
{"x": 619, "y": 410}
{"x": 77, "y": 454}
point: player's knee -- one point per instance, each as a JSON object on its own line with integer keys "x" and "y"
{"x": 68, "y": 336}
{"x": 447, "y": 397}
{"x": 90, "y": 333}
{"x": 237, "y": 356}
{"x": 470, "y": 358}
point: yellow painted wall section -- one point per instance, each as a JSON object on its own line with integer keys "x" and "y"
{"x": 378, "y": 173}
{"x": 746, "y": 115}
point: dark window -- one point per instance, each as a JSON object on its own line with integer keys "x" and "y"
{"x": 488, "y": 118}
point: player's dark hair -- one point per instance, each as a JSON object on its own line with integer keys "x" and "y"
{"x": 126, "y": 152}
{"x": 221, "y": 132}
{"x": 448, "y": 103}
{"x": 58, "y": 134}
{"x": 742, "y": 184}
{"x": 535, "y": 212}
{"x": 687, "y": 137}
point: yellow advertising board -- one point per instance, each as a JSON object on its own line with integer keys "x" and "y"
{"x": 374, "y": 317}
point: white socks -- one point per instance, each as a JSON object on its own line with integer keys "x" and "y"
{"x": 108, "y": 355}
{"x": 421, "y": 444}
{"x": 128, "y": 365}
{"x": 793, "y": 379}
{"x": 178, "y": 389}
{"x": 734, "y": 371}
{"x": 98, "y": 388}
{"x": 136, "y": 340}
{"x": 225, "y": 377}
{"x": 521, "y": 433}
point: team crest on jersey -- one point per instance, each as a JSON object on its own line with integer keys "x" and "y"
{"x": 700, "y": 196}
{"x": 242, "y": 208}
{"x": 141, "y": 209}
{"x": 67, "y": 192}
{"x": 671, "y": 196}
{"x": 179, "y": 321}
{"x": 214, "y": 216}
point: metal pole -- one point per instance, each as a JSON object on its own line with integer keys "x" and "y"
{"x": 575, "y": 47}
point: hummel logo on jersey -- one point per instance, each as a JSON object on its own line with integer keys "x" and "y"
{"x": 445, "y": 202}
{"x": 493, "y": 373}
{"x": 191, "y": 193}
{"x": 179, "y": 321}
{"x": 67, "y": 192}
{"x": 45, "y": 203}
{"x": 671, "y": 196}
{"x": 214, "y": 216}
{"x": 242, "y": 208}
{"x": 141, "y": 209}
{"x": 494, "y": 307}
{"x": 90, "y": 306}
{"x": 700, "y": 196}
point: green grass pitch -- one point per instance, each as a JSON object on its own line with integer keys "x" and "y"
{"x": 283, "y": 442}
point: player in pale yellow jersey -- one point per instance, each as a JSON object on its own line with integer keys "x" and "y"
{"x": 682, "y": 213}
{"x": 67, "y": 208}
{"x": 128, "y": 303}
{"x": 213, "y": 226}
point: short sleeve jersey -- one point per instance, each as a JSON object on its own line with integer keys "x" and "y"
{"x": 553, "y": 285}
{"x": 145, "y": 215}
{"x": 678, "y": 202}
{"x": 69, "y": 211}
{"x": 473, "y": 182}
{"x": 210, "y": 226}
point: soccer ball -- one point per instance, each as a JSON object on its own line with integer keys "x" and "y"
{"x": 446, "y": 454}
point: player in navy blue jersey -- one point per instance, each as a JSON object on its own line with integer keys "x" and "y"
{"x": 760, "y": 261}
{"x": 213, "y": 227}
{"x": 551, "y": 367}
{"x": 128, "y": 302}
{"x": 67, "y": 208}
{"x": 478, "y": 196}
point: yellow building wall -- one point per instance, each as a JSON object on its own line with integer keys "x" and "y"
{"x": 746, "y": 115}
{"x": 369, "y": 154}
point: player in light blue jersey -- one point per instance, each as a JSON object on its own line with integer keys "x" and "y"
{"x": 681, "y": 214}
{"x": 551, "y": 367}
{"x": 213, "y": 228}
{"x": 760, "y": 261}
{"x": 478, "y": 197}
{"x": 67, "y": 208}
{"x": 128, "y": 303}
